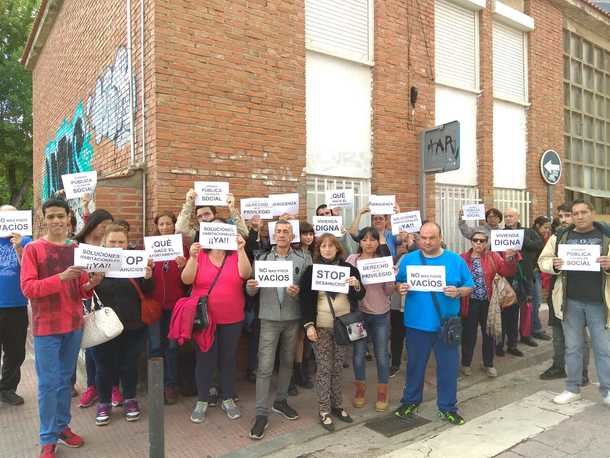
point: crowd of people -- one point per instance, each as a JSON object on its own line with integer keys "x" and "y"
{"x": 293, "y": 329}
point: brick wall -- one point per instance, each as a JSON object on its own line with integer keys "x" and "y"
{"x": 404, "y": 57}
{"x": 230, "y": 85}
{"x": 545, "y": 116}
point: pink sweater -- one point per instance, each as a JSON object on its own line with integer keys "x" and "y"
{"x": 377, "y": 298}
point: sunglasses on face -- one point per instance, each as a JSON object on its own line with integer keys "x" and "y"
{"x": 479, "y": 240}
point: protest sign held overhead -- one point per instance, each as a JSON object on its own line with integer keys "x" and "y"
{"x": 326, "y": 277}
{"x": 406, "y": 222}
{"x": 295, "y": 231}
{"x": 328, "y": 225}
{"x": 284, "y": 203}
{"x": 473, "y": 212}
{"x": 507, "y": 239}
{"x": 164, "y": 247}
{"x": 16, "y": 221}
{"x": 376, "y": 270}
{"x": 218, "y": 236}
{"x": 339, "y": 198}
{"x": 254, "y": 206}
{"x": 382, "y": 205}
{"x": 211, "y": 193}
{"x": 579, "y": 257}
{"x": 96, "y": 258}
{"x": 76, "y": 185}
{"x": 133, "y": 265}
{"x": 273, "y": 274}
{"x": 426, "y": 278}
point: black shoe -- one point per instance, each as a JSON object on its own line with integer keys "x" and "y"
{"x": 368, "y": 356}
{"x": 213, "y": 397}
{"x": 292, "y": 389}
{"x": 258, "y": 430}
{"x": 500, "y": 351}
{"x": 342, "y": 415}
{"x": 393, "y": 371}
{"x": 585, "y": 379}
{"x": 300, "y": 378}
{"x": 12, "y": 398}
{"x": 282, "y": 408}
{"x": 553, "y": 373}
{"x": 452, "y": 417}
{"x": 541, "y": 335}
{"x": 406, "y": 410}
{"x": 529, "y": 341}
{"x": 326, "y": 422}
{"x": 345, "y": 365}
{"x": 251, "y": 376}
{"x": 514, "y": 352}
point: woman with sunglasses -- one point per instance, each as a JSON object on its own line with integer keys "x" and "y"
{"x": 484, "y": 265}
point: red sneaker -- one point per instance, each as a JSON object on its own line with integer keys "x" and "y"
{"x": 88, "y": 397}
{"x": 48, "y": 451}
{"x": 69, "y": 439}
{"x": 117, "y": 397}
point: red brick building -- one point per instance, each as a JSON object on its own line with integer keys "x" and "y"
{"x": 296, "y": 96}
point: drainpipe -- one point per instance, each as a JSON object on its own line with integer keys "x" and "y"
{"x": 132, "y": 138}
{"x": 143, "y": 116}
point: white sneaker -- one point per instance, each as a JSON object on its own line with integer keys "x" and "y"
{"x": 606, "y": 399}
{"x": 466, "y": 370}
{"x": 491, "y": 371}
{"x": 566, "y": 397}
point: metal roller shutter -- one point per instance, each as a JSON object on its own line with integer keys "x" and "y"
{"x": 509, "y": 64}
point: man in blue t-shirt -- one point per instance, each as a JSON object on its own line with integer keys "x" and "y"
{"x": 423, "y": 323}
{"x": 13, "y": 315}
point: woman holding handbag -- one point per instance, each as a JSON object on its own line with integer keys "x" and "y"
{"x": 118, "y": 357}
{"x": 375, "y": 308}
{"x": 484, "y": 265}
{"x": 218, "y": 275}
{"x": 319, "y": 310}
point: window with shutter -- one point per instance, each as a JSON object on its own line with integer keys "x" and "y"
{"x": 342, "y": 28}
{"x": 456, "y": 45}
{"x": 509, "y": 63}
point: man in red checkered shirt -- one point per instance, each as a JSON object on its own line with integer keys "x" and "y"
{"x": 55, "y": 288}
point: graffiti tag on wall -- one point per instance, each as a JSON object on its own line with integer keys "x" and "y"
{"x": 105, "y": 116}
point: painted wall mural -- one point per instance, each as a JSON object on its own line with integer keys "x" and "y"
{"x": 104, "y": 116}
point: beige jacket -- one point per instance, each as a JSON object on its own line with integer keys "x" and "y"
{"x": 545, "y": 263}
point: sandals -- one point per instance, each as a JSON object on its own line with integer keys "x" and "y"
{"x": 327, "y": 422}
{"x": 341, "y": 414}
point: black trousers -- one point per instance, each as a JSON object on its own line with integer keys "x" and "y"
{"x": 510, "y": 326}
{"x": 13, "y": 332}
{"x": 397, "y": 336}
{"x": 477, "y": 317}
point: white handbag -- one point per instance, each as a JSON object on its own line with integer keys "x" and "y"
{"x": 101, "y": 325}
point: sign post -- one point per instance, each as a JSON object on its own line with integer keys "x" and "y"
{"x": 439, "y": 152}
{"x": 550, "y": 169}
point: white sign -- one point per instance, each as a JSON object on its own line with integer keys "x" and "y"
{"x": 211, "y": 192}
{"x": 96, "y": 258}
{"x": 508, "y": 239}
{"x": 76, "y": 185}
{"x": 426, "y": 278}
{"x": 295, "y": 230}
{"x": 15, "y": 221}
{"x": 218, "y": 236}
{"x": 330, "y": 278}
{"x": 133, "y": 265}
{"x": 164, "y": 247}
{"x": 284, "y": 203}
{"x": 328, "y": 225}
{"x": 376, "y": 270}
{"x": 406, "y": 222}
{"x": 260, "y": 206}
{"x": 382, "y": 205}
{"x": 339, "y": 198}
{"x": 473, "y": 212}
{"x": 273, "y": 274}
{"x": 579, "y": 257}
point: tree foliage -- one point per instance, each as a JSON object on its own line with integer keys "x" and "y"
{"x": 16, "y": 17}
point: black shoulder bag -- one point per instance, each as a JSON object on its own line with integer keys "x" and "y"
{"x": 451, "y": 326}
{"x": 202, "y": 319}
{"x": 347, "y": 328}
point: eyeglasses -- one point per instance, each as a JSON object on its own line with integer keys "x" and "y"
{"x": 479, "y": 240}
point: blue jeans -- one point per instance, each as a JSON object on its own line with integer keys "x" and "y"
{"x": 378, "y": 329}
{"x": 419, "y": 345}
{"x": 55, "y": 363}
{"x": 576, "y": 317}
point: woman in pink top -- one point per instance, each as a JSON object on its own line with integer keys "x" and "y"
{"x": 375, "y": 306}
{"x": 226, "y": 309}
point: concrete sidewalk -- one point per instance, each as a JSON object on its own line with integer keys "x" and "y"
{"x": 217, "y": 436}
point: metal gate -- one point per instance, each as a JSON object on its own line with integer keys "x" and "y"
{"x": 449, "y": 201}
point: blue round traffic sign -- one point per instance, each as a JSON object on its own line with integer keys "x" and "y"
{"x": 550, "y": 166}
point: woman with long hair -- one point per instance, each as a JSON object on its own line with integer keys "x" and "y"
{"x": 318, "y": 323}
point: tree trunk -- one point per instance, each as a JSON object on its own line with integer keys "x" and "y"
{"x": 18, "y": 197}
